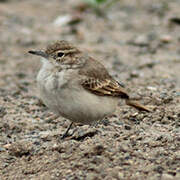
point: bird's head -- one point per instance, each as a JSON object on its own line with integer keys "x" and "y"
{"x": 60, "y": 53}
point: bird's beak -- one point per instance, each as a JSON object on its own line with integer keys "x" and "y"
{"x": 39, "y": 53}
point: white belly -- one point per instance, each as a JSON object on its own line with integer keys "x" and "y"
{"x": 75, "y": 104}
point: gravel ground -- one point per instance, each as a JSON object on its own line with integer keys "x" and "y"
{"x": 139, "y": 42}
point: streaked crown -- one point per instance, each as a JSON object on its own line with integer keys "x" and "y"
{"x": 61, "y": 46}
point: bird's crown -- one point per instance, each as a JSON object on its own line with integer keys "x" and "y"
{"x": 61, "y": 46}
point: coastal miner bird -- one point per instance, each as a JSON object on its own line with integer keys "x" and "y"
{"x": 76, "y": 86}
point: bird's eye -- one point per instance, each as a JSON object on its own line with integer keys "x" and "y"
{"x": 60, "y": 54}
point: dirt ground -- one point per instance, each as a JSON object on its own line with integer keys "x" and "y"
{"x": 139, "y": 42}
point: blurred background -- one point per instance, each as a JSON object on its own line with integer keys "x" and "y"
{"x": 137, "y": 40}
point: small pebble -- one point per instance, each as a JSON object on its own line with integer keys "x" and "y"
{"x": 151, "y": 88}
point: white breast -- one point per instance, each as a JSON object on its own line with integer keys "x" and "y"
{"x": 63, "y": 95}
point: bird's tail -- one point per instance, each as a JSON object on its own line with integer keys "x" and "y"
{"x": 137, "y": 105}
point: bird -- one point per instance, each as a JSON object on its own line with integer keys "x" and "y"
{"x": 78, "y": 87}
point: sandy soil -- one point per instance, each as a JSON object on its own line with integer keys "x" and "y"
{"x": 139, "y": 42}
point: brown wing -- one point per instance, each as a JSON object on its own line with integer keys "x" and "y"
{"x": 106, "y": 87}
{"x": 109, "y": 87}
{"x": 98, "y": 81}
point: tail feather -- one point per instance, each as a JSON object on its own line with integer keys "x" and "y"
{"x": 137, "y": 105}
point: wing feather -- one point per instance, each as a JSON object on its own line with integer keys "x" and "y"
{"x": 98, "y": 81}
{"x": 106, "y": 87}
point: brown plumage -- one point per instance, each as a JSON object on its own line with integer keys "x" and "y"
{"x": 99, "y": 82}
{"x": 62, "y": 46}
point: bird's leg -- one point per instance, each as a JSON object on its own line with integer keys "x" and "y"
{"x": 66, "y": 133}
